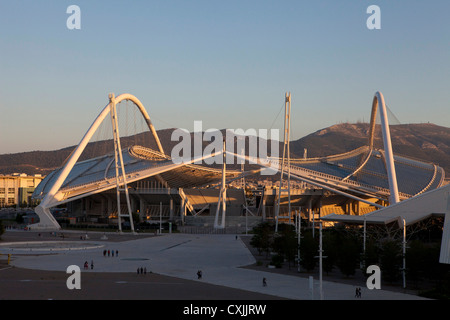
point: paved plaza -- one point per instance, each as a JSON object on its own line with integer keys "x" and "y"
{"x": 176, "y": 257}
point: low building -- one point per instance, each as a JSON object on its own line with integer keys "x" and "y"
{"x": 16, "y": 189}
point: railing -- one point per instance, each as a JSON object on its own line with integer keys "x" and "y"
{"x": 147, "y": 154}
{"x": 430, "y": 183}
{"x": 211, "y": 230}
{"x": 338, "y": 182}
{"x": 159, "y": 159}
{"x": 332, "y": 157}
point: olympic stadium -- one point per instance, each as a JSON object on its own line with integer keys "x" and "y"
{"x": 365, "y": 185}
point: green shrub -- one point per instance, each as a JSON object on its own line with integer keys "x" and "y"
{"x": 277, "y": 261}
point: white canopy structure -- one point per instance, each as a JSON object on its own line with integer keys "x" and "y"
{"x": 408, "y": 212}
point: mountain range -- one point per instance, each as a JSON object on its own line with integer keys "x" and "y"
{"x": 425, "y": 141}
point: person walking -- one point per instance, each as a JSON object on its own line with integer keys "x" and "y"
{"x": 358, "y": 292}
{"x": 264, "y": 282}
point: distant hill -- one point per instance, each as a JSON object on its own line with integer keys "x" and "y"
{"x": 427, "y": 142}
{"x": 424, "y": 141}
{"x": 44, "y": 162}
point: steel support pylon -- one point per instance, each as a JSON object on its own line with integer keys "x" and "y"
{"x": 221, "y": 203}
{"x": 119, "y": 166}
{"x": 287, "y": 129}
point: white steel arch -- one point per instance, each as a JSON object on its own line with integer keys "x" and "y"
{"x": 47, "y": 221}
{"x": 378, "y": 101}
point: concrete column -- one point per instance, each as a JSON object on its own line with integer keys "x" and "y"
{"x": 142, "y": 208}
{"x": 309, "y": 210}
{"x": 83, "y": 206}
{"x": 263, "y": 209}
{"x": 320, "y": 208}
{"x": 133, "y": 204}
{"x": 110, "y": 205}
{"x": 103, "y": 206}
{"x": 182, "y": 210}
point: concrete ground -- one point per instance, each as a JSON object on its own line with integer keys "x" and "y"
{"x": 38, "y": 270}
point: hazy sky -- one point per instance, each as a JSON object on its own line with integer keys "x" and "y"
{"x": 227, "y": 63}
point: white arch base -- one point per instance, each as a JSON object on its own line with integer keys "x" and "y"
{"x": 46, "y": 220}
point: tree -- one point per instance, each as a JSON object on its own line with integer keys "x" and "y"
{"x": 308, "y": 251}
{"x": 330, "y": 248}
{"x": 348, "y": 256}
{"x": 285, "y": 243}
{"x": 19, "y": 218}
{"x": 391, "y": 259}
{"x": 262, "y": 238}
{"x": 342, "y": 248}
{"x": 435, "y": 271}
{"x": 416, "y": 256}
{"x": 372, "y": 255}
{"x": 136, "y": 217}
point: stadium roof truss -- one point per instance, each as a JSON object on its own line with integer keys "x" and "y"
{"x": 80, "y": 179}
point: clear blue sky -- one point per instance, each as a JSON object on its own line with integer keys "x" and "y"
{"x": 227, "y": 63}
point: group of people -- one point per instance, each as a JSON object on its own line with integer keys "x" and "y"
{"x": 200, "y": 274}
{"x": 105, "y": 253}
{"x": 142, "y": 270}
{"x": 110, "y": 252}
{"x": 86, "y": 265}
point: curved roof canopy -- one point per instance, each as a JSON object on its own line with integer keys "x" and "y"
{"x": 346, "y": 172}
{"x": 99, "y": 174}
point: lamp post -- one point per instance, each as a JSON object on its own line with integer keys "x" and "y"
{"x": 299, "y": 234}
{"x": 404, "y": 254}
{"x": 320, "y": 256}
{"x": 320, "y": 262}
